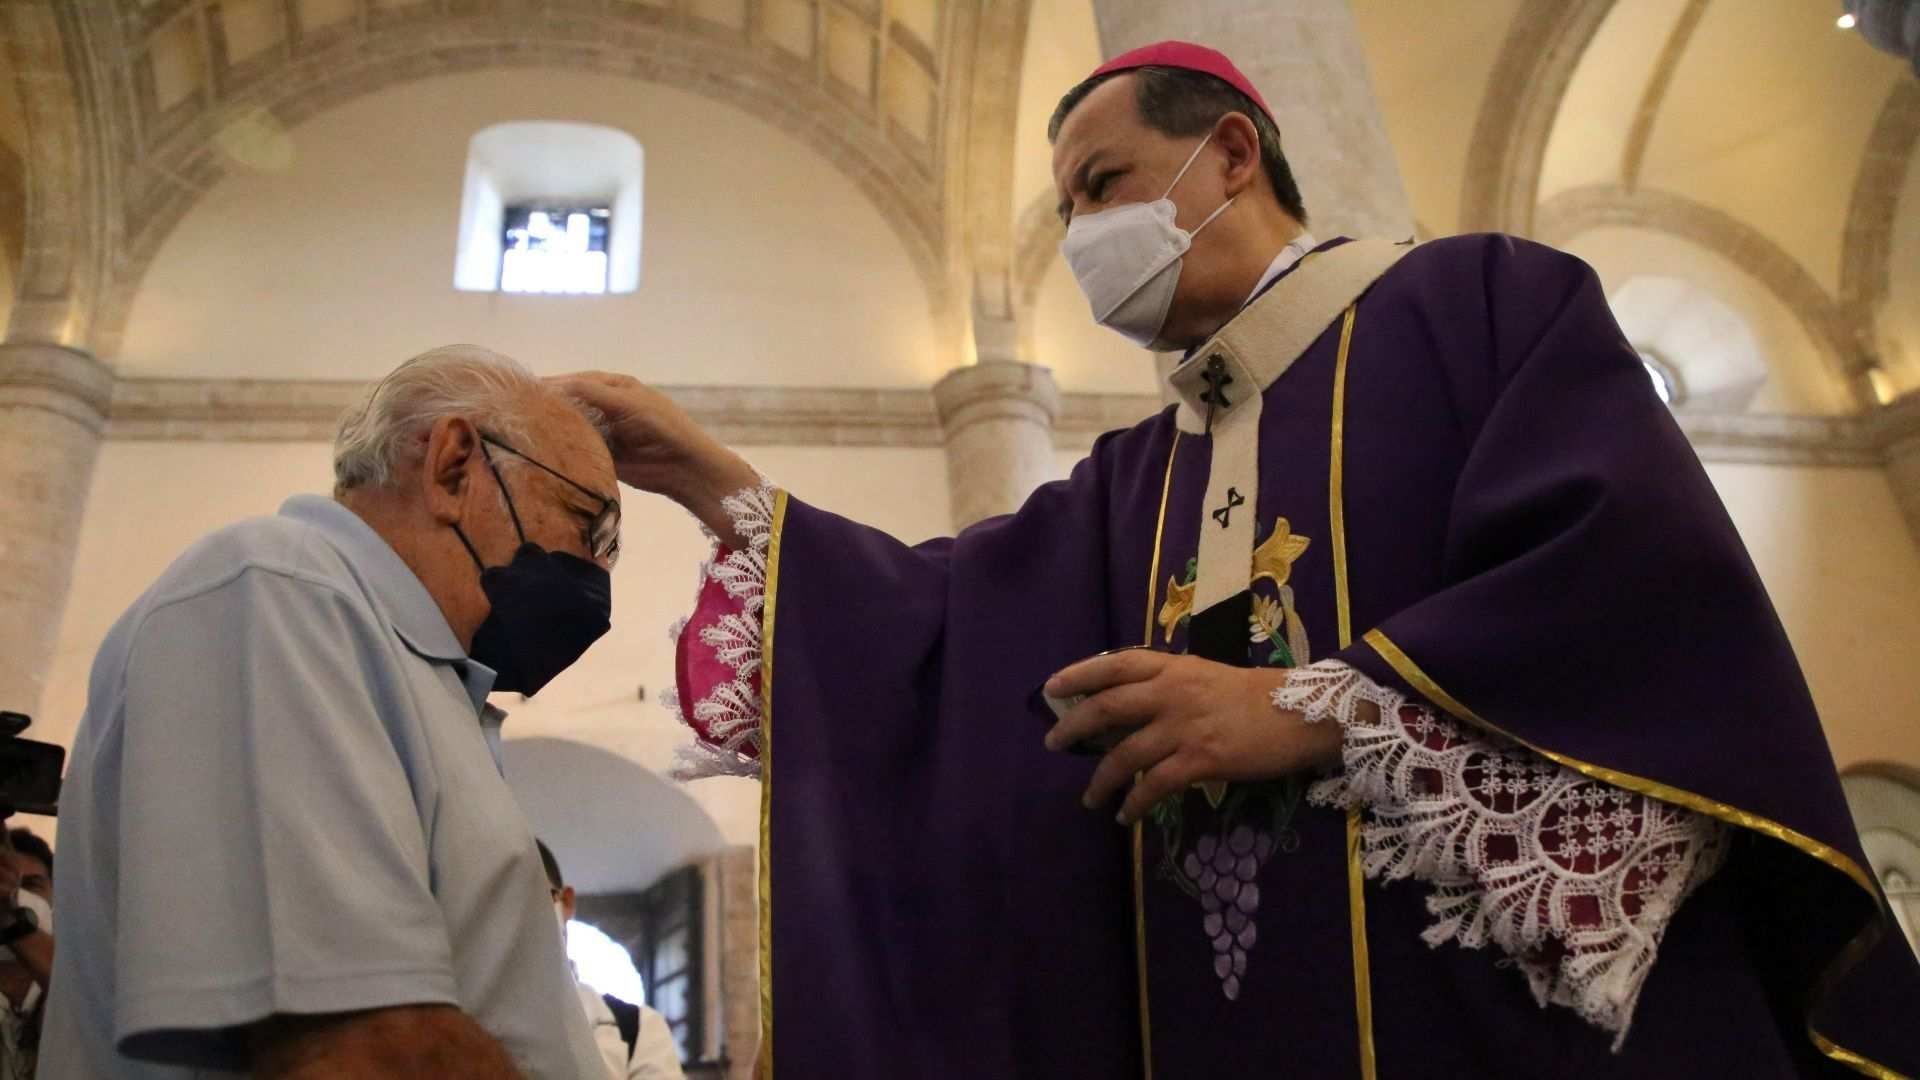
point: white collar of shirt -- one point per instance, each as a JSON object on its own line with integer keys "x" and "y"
{"x": 1284, "y": 261}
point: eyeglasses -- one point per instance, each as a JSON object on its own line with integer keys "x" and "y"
{"x": 601, "y": 535}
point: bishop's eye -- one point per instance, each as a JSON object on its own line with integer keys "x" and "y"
{"x": 1097, "y": 187}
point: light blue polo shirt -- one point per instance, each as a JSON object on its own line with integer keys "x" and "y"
{"x": 285, "y": 797}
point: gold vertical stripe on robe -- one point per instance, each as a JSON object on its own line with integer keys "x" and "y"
{"x": 763, "y": 1059}
{"x": 1356, "y": 873}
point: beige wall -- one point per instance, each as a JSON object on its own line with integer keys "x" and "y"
{"x": 1783, "y": 159}
{"x": 1845, "y": 575}
{"x": 1800, "y": 378}
{"x": 1430, "y": 64}
{"x": 151, "y": 500}
{"x": 1590, "y": 132}
{"x": 1900, "y": 315}
{"x": 1063, "y": 46}
{"x": 761, "y": 263}
{"x": 1085, "y": 357}
{"x": 1772, "y": 143}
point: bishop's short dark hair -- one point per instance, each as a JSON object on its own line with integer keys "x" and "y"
{"x": 1178, "y": 102}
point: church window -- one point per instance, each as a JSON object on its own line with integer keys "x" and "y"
{"x": 548, "y": 249}
{"x": 671, "y": 956}
{"x": 604, "y": 963}
{"x": 1664, "y": 382}
{"x": 550, "y": 208}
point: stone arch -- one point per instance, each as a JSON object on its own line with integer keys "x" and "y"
{"x": 1570, "y": 213}
{"x": 1654, "y": 94}
{"x": 67, "y": 228}
{"x": 1523, "y": 97}
{"x": 986, "y": 107}
{"x": 181, "y": 169}
{"x": 1036, "y": 243}
{"x": 1866, "y": 255}
{"x": 992, "y": 114}
{"x": 1885, "y": 800}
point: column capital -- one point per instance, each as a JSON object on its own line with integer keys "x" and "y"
{"x": 996, "y": 390}
{"x": 997, "y": 421}
{"x": 65, "y": 381}
{"x": 1896, "y": 422}
{"x": 1896, "y": 428}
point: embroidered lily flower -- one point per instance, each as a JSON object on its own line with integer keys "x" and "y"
{"x": 1265, "y": 622}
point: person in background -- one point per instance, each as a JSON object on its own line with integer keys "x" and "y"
{"x": 305, "y": 696}
{"x": 26, "y": 879}
{"x": 634, "y": 1040}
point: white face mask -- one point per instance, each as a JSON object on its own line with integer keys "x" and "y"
{"x": 42, "y": 911}
{"x": 1127, "y": 260}
{"x": 560, "y": 918}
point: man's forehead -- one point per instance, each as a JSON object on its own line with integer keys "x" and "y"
{"x": 582, "y": 453}
{"x": 1106, "y": 117}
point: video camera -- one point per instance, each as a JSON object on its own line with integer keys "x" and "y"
{"x": 29, "y": 770}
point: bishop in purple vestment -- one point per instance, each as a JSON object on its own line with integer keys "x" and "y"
{"x": 1465, "y": 740}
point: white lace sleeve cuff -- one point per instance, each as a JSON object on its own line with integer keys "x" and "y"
{"x": 1575, "y": 880}
{"x": 717, "y": 649}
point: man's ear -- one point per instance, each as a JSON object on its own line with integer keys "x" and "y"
{"x": 1239, "y": 140}
{"x": 569, "y": 903}
{"x": 446, "y": 468}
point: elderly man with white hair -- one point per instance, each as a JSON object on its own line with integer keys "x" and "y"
{"x": 286, "y": 847}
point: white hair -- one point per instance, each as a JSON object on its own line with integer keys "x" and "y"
{"x": 381, "y": 434}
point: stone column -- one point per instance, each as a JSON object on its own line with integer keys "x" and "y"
{"x": 1898, "y": 427}
{"x": 1305, "y": 58}
{"x": 734, "y": 873}
{"x": 53, "y": 405}
{"x": 997, "y": 420}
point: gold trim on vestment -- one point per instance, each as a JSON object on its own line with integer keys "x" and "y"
{"x": 1139, "y": 827}
{"x": 1159, "y": 531}
{"x": 1732, "y": 815}
{"x": 1336, "y": 483}
{"x": 763, "y": 1061}
{"x": 1362, "y": 962}
{"x": 1356, "y": 873}
{"x": 1855, "y": 951}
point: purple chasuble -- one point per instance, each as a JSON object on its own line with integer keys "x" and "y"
{"x": 1523, "y": 538}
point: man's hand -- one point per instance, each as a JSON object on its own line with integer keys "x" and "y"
{"x": 34, "y": 951}
{"x": 658, "y": 448}
{"x": 1196, "y": 721}
{"x": 403, "y": 1042}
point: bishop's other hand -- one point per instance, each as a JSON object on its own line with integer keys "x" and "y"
{"x": 1194, "y": 721}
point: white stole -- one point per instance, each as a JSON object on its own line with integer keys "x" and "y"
{"x": 1220, "y": 389}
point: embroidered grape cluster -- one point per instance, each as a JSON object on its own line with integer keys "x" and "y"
{"x": 1224, "y": 872}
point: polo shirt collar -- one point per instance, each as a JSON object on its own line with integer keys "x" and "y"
{"x": 396, "y": 591}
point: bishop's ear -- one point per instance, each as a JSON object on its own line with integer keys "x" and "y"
{"x": 1239, "y": 142}
{"x": 450, "y": 464}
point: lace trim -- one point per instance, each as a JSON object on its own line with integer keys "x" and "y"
{"x": 1575, "y": 880}
{"x": 726, "y": 718}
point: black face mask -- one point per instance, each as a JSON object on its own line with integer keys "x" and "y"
{"x": 548, "y": 607}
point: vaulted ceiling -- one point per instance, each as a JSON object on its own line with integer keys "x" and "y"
{"x": 167, "y": 92}
{"x": 1760, "y": 131}
{"x": 1763, "y": 132}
